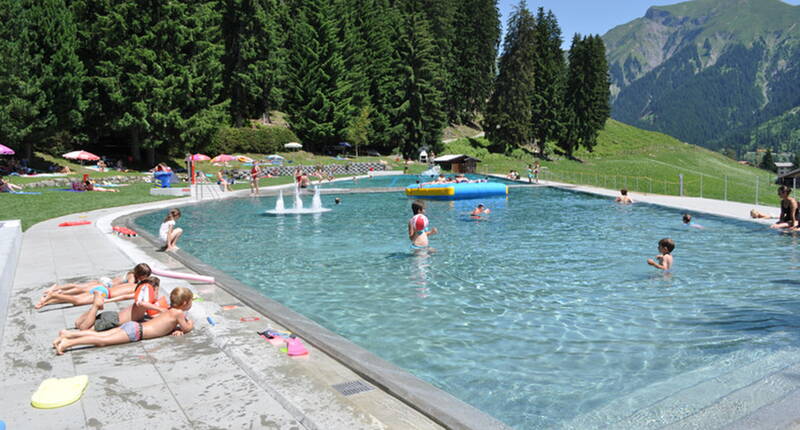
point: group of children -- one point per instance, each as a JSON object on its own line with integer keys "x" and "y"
{"x": 147, "y": 317}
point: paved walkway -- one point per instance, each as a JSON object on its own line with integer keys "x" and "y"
{"x": 221, "y": 376}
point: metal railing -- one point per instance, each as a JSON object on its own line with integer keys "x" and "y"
{"x": 750, "y": 189}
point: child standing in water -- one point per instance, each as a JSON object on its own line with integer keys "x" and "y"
{"x": 168, "y": 233}
{"x": 418, "y": 230}
{"x": 623, "y": 197}
{"x": 663, "y": 261}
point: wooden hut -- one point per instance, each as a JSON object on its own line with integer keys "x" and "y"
{"x": 457, "y": 163}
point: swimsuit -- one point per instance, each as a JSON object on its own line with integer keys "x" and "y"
{"x": 785, "y": 216}
{"x": 133, "y": 329}
{"x": 102, "y": 289}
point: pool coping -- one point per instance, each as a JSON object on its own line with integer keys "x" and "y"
{"x": 436, "y": 404}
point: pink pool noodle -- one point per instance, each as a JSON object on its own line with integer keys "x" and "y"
{"x": 188, "y": 276}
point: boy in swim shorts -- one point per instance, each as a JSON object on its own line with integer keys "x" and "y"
{"x": 172, "y": 321}
{"x": 418, "y": 230}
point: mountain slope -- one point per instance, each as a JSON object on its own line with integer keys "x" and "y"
{"x": 707, "y": 71}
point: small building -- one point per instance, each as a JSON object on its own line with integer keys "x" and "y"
{"x": 791, "y": 178}
{"x": 784, "y": 168}
{"x": 457, "y": 163}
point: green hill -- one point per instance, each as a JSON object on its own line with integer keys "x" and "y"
{"x": 644, "y": 161}
{"x": 708, "y": 71}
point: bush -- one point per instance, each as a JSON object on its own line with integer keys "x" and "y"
{"x": 259, "y": 140}
{"x": 472, "y": 147}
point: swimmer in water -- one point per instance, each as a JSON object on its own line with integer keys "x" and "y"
{"x": 418, "y": 230}
{"x": 338, "y": 201}
{"x": 623, "y": 198}
{"x": 663, "y": 261}
{"x": 687, "y": 221}
{"x": 480, "y": 210}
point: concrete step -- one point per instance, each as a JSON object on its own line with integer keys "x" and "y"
{"x": 709, "y": 397}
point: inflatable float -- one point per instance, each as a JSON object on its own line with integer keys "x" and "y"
{"x": 187, "y": 276}
{"x": 73, "y": 223}
{"x": 457, "y": 191}
{"x": 124, "y": 231}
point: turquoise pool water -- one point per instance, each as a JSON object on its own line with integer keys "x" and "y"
{"x": 541, "y": 313}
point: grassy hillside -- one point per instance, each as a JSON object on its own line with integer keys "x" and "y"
{"x": 644, "y": 161}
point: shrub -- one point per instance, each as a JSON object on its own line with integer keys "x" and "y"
{"x": 472, "y": 147}
{"x": 259, "y": 140}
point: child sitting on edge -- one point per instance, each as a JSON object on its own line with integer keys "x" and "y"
{"x": 172, "y": 321}
{"x": 665, "y": 247}
{"x": 168, "y": 233}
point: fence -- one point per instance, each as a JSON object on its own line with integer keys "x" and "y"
{"x": 751, "y": 189}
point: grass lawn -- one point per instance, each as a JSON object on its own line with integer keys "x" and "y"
{"x": 51, "y": 203}
{"x": 645, "y": 161}
{"x": 32, "y": 209}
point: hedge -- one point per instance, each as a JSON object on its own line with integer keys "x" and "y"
{"x": 260, "y": 140}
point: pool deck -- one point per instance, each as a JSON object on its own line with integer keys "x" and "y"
{"x": 225, "y": 376}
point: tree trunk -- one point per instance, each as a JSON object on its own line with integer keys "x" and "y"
{"x": 28, "y": 151}
{"x": 151, "y": 156}
{"x": 136, "y": 145}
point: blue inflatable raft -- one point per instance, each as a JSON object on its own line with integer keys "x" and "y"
{"x": 453, "y": 191}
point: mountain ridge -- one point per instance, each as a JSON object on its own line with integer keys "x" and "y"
{"x": 734, "y": 60}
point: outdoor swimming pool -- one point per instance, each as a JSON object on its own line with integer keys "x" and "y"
{"x": 544, "y": 312}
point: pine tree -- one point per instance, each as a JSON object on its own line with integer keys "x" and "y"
{"x": 477, "y": 38}
{"x": 441, "y": 16}
{"x": 601, "y": 90}
{"x": 767, "y": 163}
{"x": 379, "y": 32}
{"x": 317, "y": 91}
{"x": 42, "y": 76}
{"x": 587, "y": 94}
{"x": 420, "y": 115}
{"x": 549, "y": 75}
{"x": 155, "y": 72}
{"x": 509, "y": 112}
{"x": 254, "y": 57}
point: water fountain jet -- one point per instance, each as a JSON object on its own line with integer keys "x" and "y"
{"x": 298, "y": 209}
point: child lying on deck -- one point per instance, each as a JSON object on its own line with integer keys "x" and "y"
{"x": 173, "y": 321}
{"x": 114, "y": 294}
{"x": 145, "y": 303}
{"x": 139, "y": 272}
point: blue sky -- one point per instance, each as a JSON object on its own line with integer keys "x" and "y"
{"x": 590, "y": 16}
